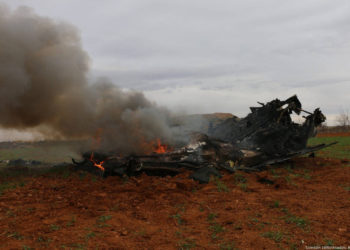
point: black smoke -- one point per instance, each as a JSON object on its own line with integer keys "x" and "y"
{"x": 43, "y": 85}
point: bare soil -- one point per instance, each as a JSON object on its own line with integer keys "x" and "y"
{"x": 304, "y": 202}
{"x": 333, "y": 134}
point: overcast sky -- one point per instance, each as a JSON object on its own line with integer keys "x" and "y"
{"x": 216, "y": 56}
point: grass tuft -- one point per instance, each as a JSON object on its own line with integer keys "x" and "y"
{"x": 54, "y": 227}
{"x": 212, "y": 216}
{"x": 178, "y": 218}
{"x": 228, "y": 246}
{"x": 276, "y": 236}
{"x": 243, "y": 187}
{"x": 71, "y": 222}
{"x": 104, "y": 218}
{"x": 221, "y": 186}
{"x": 187, "y": 244}
{"x": 216, "y": 228}
{"x": 276, "y": 204}
{"x": 239, "y": 178}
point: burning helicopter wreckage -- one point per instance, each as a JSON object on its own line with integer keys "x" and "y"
{"x": 264, "y": 137}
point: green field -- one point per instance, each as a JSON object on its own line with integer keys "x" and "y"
{"x": 46, "y": 152}
{"x": 341, "y": 150}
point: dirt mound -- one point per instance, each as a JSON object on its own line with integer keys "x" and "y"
{"x": 303, "y": 203}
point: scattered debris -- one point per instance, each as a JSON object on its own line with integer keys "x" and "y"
{"x": 264, "y": 137}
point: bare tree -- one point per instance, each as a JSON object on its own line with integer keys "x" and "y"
{"x": 343, "y": 119}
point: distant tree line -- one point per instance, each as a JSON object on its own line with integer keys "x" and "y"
{"x": 343, "y": 119}
{"x": 342, "y": 122}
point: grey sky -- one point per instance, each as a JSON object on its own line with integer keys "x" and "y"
{"x": 216, "y": 56}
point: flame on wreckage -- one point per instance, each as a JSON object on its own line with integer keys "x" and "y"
{"x": 267, "y": 135}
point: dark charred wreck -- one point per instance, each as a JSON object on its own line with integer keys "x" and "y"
{"x": 264, "y": 137}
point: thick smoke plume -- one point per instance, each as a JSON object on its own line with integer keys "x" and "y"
{"x": 43, "y": 85}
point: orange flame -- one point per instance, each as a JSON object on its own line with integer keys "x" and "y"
{"x": 161, "y": 148}
{"x": 96, "y": 164}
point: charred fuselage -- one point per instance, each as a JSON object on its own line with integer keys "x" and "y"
{"x": 265, "y": 136}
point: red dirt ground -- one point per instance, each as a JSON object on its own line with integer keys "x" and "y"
{"x": 331, "y": 134}
{"x": 306, "y": 205}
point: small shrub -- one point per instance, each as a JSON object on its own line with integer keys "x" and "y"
{"x": 276, "y": 236}
{"x": 115, "y": 207}
{"x": 228, "y": 246}
{"x": 243, "y": 187}
{"x": 239, "y": 178}
{"x": 285, "y": 210}
{"x": 293, "y": 246}
{"x": 276, "y": 204}
{"x": 31, "y": 209}
{"x": 104, "y": 218}
{"x": 10, "y": 213}
{"x": 54, "y": 227}
{"x": 347, "y": 188}
{"x": 299, "y": 221}
{"x": 329, "y": 242}
{"x": 178, "y": 218}
{"x": 254, "y": 220}
{"x": 211, "y": 217}
{"x": 187, "y": 244}
{"x": 274, "y": 173}
{"x": 43, "y": 239}
{"x": 307, "y": 176}
{"x": 71, "y": 222}
{"x": 178, "y": 234}
{"x": 141, "y": 233}
{"x": 221, "y": 186}
{"x": 216, "y": 229}
{"x": 289, "y": 168}
{"x": 90, "y": 235}
{"x": 24, "y": 247}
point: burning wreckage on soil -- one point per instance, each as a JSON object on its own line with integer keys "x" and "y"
{"x": 264, "y": 137}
